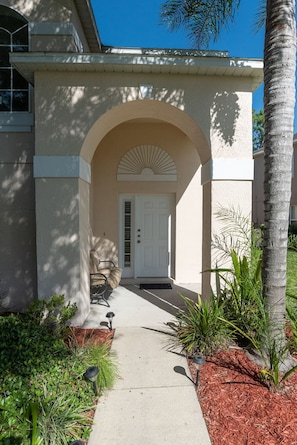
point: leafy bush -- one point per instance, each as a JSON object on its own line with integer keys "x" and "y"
{"x": 44, "y": 398}
{"x": 52, "y": 313}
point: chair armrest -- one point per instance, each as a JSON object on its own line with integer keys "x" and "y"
{"x": 97, "y": 279}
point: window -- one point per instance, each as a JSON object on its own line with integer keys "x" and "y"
{"x": 127, "y": 233}
{"x": 293, "y": 215}
{"x": 14, "y": 89}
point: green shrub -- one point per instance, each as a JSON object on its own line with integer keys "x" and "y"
{"x": 52, "y": 313}
{"x": 44, "y": 398}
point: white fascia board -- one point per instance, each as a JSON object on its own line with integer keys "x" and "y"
{"x": 132, "y": 59}
{"x": 61, "y": 167}
{"x": 28, "y": 63}
{"x": 227, "y": 170}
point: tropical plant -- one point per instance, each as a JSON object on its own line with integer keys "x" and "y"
{"x": 243, "y": 301}
{"x": 203, "y": 22}
{"x": 271, "y": 373}
{"x": 199, "y": 329}
{"x": 276, "y": 367}
{"x": 237, "y": 234}
{"x": 244, "y": 307}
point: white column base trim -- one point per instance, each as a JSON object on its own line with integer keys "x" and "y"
{"x": 227, "y": 170}
{"x": 61, "y": 167}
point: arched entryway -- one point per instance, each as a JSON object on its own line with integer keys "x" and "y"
{"x": 146, "y": 200}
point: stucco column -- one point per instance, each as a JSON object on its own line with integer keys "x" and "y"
{"x": 62, "y": 229}
{"x": 226, "y": 183}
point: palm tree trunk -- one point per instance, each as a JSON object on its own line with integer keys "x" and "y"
{"x": 279, "y": 101}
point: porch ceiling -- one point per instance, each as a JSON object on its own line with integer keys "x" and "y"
{"x": 29, "y": 63}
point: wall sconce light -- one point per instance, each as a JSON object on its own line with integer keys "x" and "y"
{"x": 198, "y": 361}
{"x": 109, "y": 317}
{"x": 91, "y": 374}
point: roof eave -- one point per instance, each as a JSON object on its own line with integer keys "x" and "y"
{"x": 87, "y": 18}
{"x": 29, "y": 63}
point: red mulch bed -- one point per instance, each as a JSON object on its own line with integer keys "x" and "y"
{"x": 82, "y": 336}
{"x": 239, "y": 409}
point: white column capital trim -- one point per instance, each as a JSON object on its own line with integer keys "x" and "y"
{"x": 227, "y": 170}
{"x": 61, "y": 167}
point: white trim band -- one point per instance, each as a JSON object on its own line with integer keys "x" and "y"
{"x": 61, "y": 167}
{"x": 55, "y": 28}
{"x": 227, "y": 170}
{"x": 16, "y": 122}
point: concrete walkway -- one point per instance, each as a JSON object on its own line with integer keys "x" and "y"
{"x": 154, "y": 401}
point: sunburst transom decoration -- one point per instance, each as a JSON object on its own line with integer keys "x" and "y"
{"x": 146, "y": 163}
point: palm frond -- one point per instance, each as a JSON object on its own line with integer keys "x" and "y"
{"x": 202, "y": 20}
{"x": 260, "y": 16}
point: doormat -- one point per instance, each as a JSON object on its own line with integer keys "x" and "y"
{"x": 155, "y": 286}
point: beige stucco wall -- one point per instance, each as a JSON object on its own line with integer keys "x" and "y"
{"x": 86, "y": 102}
{"x": 54, "y": 12}
{"x": 17, "y": 219}
{"x": 62, "y": 240}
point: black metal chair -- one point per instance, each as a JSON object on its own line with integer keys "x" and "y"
{"x": 103, "y": 282}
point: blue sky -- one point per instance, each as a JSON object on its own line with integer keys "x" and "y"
{"x": 134, "y": 23}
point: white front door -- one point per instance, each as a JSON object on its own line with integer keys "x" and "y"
{"x": 146, "y": 234}
{"x": 153, "y": 222}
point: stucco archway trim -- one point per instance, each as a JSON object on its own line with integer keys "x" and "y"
{"x": 145, "y": 109}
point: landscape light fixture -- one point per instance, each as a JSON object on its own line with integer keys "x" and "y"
{"x": 109, "y": 317}
{"x": 77, "y": 442}
{"x": 91, "y": 374}
{"x": 198, "y": 361}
